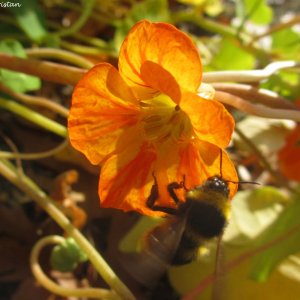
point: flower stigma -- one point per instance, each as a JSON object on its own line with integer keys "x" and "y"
{"x": 162, "y": 119}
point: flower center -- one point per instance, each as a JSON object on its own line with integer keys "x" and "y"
{"x": 163, "y": 119}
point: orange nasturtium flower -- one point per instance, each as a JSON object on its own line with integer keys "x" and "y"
{"x": 146, "y": 120}
{"x": 289, "y": 155}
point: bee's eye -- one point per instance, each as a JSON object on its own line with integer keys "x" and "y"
{"x": 216, "y": 184}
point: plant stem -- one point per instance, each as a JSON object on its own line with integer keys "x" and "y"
{"x": 34, "y": 156}
{"x": 32, "y": 190}
{"x": 255, "y": 95}
{"x": 257, "y": 109}
{"x": 209, "y": 25}
{"x": 36, "y": 100}
{"x": 49, "y": 71}
{"x": 249, "y": 75}
{"x": 33, "y": 117}
{"x": 62, "y": 55}
{"x": 86, "y": 50}
{"x": 277, "y": 27}
{"x": 86, "y": 11}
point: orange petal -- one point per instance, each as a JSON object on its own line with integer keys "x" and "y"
{"x": 103, "y": 108}
{"x": 161, "y": 80}
{"x": 165, "y": 45}
{"x": 126, "y": 180}
{"x": 201, "y": 160}
{"x": 289, "y": 156}
{"x": 209, "y": 118}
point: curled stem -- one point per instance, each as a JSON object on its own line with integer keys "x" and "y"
{"x": 26, "y": 185}
{"x": 52, "y": 286}
{"x": 33, "y": 117}
{"x": 257, "y": 109}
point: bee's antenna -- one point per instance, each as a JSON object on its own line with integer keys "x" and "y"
{"x": 238, "y": 182}
{"x": 221, "y": 162}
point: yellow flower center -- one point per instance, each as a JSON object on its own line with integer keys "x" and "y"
{"x": 163, "y": 119}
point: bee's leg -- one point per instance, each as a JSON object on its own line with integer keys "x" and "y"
{"x": 154, "y": 196}
{"x": 175, "y": 186}
{"x": 183, "y": 183}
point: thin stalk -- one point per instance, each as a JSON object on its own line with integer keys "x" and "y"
{"x": 36, "y": 100}
{"x": 33, "y": 117}
{"x": 49, "y": 71}
{"x": 249, "y": 75}
{"x": 257, "y": 109}
{"x": 33, "y": 156}
{"x": 86, "y": 50}
{"x": 62, "y": 55}
{"x": 277, "y": 27}
{"x": 256, "y": 95}
{"x": 209, "y": 25}
{"x": 86, "y": 11}
{"x": 94, "y": 15}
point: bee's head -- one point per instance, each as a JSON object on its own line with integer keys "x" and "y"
{"x": 216, "y": 184}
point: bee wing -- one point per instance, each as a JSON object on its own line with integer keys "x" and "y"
{"x": 159, "y": 249}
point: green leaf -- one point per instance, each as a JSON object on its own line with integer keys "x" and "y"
{"x": 287, "y": 229}
{"x": 231, "y": 57}
{"x": 285, "y": 83}
{"x": 252, "y": 212}
{"x": 256, "y": 11}
{"x": 152, "y": 10}
{"x": 66, "y": 256}
{"x": 286, "y": 44}
{"x": 19, "y": 82}
{"x": 30, "y": 18}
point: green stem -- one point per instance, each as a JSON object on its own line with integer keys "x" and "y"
{"x": 33, "y": 117}
{"x": 76, "y": 26}
{"x": 46, "y": 70}
{"x": 32, "y": 190}
{"x": 243, "y": 38}
{"x": 209, "y": 25}
{"x": 86, "y": 50}
{"x": 62, "y": 55}
{"x": 94, "y": 15}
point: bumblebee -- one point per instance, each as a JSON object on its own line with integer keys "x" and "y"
{"x": 201, "y": 217}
